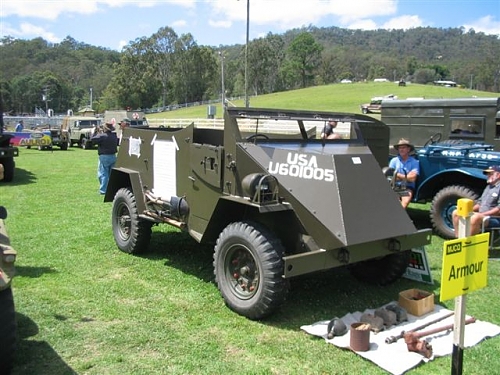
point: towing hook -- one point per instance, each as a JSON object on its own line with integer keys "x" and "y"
{"x": 394, "y": 245}
{"x": 343, "y": 255}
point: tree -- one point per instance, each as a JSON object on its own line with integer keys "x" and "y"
{"x": 303, "y": 55}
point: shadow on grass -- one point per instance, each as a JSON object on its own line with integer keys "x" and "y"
{"x": 36, "y": 357}
{"x": 182, "y": 252}
{"x": 33, "y": 272}
{"x": 312, "y": 297}
{"x": 21, "y": 177}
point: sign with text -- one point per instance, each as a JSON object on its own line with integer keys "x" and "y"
{"x": 465, "y": 266}
{"x": 418, "y": 267}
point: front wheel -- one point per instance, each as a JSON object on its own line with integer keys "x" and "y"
{"x": 382, "y": 271}
{"x": 9, "y": 167}
{"x": 443, "y": 205}
{"x": 248, "y": 268}
{"x": 8, "y": 328}
{"x": 131, "y": 233}
{"x": 86, "y": 144}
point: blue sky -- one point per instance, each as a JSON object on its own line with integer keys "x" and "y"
{"x": 114, "y": 23}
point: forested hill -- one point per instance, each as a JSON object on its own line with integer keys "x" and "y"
{"x": 167, "y": 68}
{"x": 453, "y": 53}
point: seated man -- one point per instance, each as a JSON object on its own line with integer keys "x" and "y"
{"x": 328, "y": 132}
{"x": 406, "y": 168}
{"x": 487, "y": 205}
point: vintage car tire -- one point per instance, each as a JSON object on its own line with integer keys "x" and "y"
{"x": 8, "y": 328}
{"x": 86, "y": 144}
{"x": 382, "y": 271}
{"x": 9, "y": 167}
{"x": 364, "y": 111}
{"x": 442, "y": 206}
{"x": 132, "y": 234}
{"x": 64, "y": 146}
{"x": 248, "y": 268}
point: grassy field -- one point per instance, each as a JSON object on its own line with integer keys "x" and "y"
{"x": 83, "y": 307}
{"x": 335, "y": 97}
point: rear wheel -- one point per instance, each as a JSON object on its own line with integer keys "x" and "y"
{"x": 443, "y": 205}
{"x": 131, "y": 233}
{"x": 382, "y": 271}
{"x": 8, "y": 328}
{"x": 248, "y": 268}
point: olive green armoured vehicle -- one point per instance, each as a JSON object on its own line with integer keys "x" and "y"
{"x": 8, "y": 326}
{"x": 274, "y": 199}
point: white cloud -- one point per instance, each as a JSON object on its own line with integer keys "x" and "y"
{"x": 403, "y": 22}
{"x": 27, "y": 31}
{"x": 220, "y": 24}
{"x": 362, "y": 25}
{"x": 179, "y": 23}
{"x": 52, "y": 9}
{"x": 45, "y": 9}
{"x": 487, "y": 25}
{"x": 121, "y": 44}
{"x": 286, "y": 14}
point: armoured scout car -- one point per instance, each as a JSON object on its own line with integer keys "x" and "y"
{"x": 276, "y": 201}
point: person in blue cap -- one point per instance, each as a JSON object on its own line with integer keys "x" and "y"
{"x": 488, "y": 206}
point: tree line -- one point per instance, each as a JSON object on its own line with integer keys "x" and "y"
{"x": 166, "y": 68}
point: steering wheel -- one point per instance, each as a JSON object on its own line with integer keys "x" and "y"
{"x": 433, "y": 139}
{"x": 256, "y": 135}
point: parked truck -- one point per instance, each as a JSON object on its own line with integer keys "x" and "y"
{"x": 39, "y": 131}
{"x": 471, "y": 119}
{"x": 274, "y": 199}
{"x": 80, "y": 130}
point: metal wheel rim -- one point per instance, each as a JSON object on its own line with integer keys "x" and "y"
{"x": 447, "y": 214}
{"x": 241, "y": 272}
{"x": 123, "y": 221}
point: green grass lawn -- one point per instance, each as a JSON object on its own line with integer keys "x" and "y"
{"x": 83, "y": 307}
{"x": 335, "y": 97}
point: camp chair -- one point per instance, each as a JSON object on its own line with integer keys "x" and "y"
{"x": 494, "y": 245}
